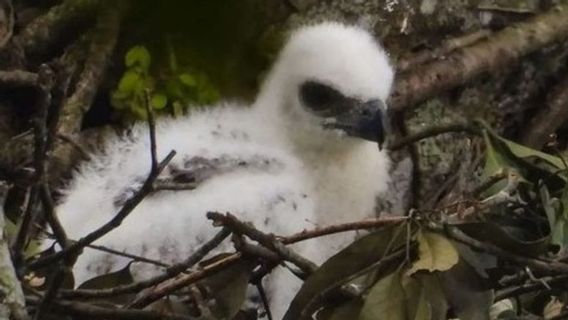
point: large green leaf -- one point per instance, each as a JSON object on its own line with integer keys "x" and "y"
{"x": 435, "y": 253}
{"x": 467, "y": 292}
{"x": 386, "y": 300}
{"x": 228, "y": 289}
{"x": 340, "y": 268}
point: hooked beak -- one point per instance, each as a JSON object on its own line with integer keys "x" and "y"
{"x": 366, "y": 120}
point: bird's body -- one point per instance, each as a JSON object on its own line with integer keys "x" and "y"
{"x": 273, "y": 163}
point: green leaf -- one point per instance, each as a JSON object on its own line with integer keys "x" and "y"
{"x": 188, "y": 80}
{"x": 436, "y": 253}
{"x": 159, "y": 101}
{"x": 138, "y": 56}
{"x": 467, "y": 292}
{"x": 229, "y": 288}
{"x": 109, "y": 280}
{"x": 130, "y": 82}
{"x": 346, "y": 264}
{"x": 418, "y": 306}
{"x": 386, "y": 300}
{"x": 521, "y": 151}
{"x": 510, "y": 234}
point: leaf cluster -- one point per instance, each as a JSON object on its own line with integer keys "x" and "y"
{"x": 170, "y": 90}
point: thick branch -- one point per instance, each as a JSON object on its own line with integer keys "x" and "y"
{"x": 13, "y": 303}
{"x": 101, "y": 48}
{"x": 55, "y": 24}
{"x": 549, "y": 118}
{"x": 492, "y": 54}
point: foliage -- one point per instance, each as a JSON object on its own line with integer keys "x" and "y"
{"x": 170, "y": 90}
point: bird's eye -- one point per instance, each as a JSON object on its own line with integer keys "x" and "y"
{"x": 318, "y": 96}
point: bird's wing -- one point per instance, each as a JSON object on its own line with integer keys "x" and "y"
{"x": 233, "y": 173}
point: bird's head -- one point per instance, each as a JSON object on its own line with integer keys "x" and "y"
{"x": 330, "y": 83}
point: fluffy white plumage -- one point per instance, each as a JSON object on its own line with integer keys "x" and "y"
{"x": 273, "y": 164}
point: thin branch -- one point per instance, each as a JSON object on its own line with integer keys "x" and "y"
{"x": 170, "y": 273}
{"x": 432, "y": 132}
{"x": 45, "y": 84}
{"x": 116, "y": 252}
{"x": 51, "y": 216}
{"x": 183, "y": 281}
{"x": 515, "y": 291}
{"x": 351, "y": 226}
{"x": 85, "y": 310}
{"x": 269, "y": 241}
{"x": 152, "y": 129}
{"x": 207, "y": 247}
{"x": 264, "y": 299}
{"x": 114, "y": 223}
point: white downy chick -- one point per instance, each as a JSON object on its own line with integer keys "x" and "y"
{"x": 304, "y": 155}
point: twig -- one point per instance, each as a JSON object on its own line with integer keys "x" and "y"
{"x": 45, "y": 83}
{"x": 170, "y": 273}
{"x": 51, "y": 216}
{"x": 18, "y": 78}
{"x": 182, "y": 281}
{"x": 358, "y": 225}
{"x": 116, "y": 252}
{"x": 269, "y": 241}
{"x": 114, "y": 223}
{"x": 85, "y": 310}
{"x": 529, "y": 287}
{"x": 432, "y": 132}
{"x": 305, "y": 235}
{"x": 264, "y": 299}
{"x": 152, "y": 129}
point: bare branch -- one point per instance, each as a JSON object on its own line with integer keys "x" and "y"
{"x": 47, "y": 29}
{"x": 45, "y": 84}
{"x": 18, "y": 78}
{"x": 170, "y": 273}
{"x": 500, "y": 49}
{"x": 432, "y": 132}
{"x": 85, "y": 310}
{"x": 269, "y": 241}
{"x": 549, "y": 118}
